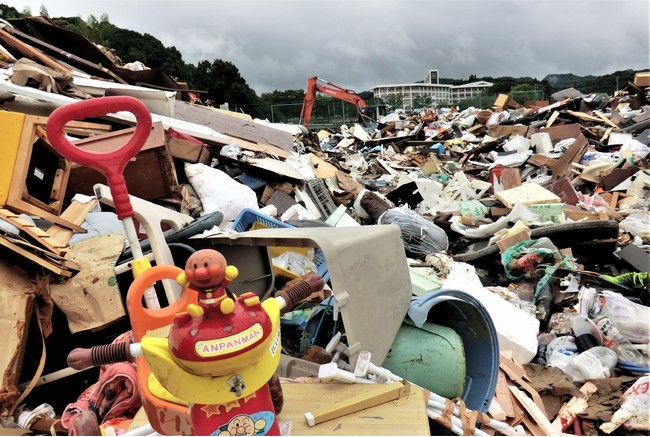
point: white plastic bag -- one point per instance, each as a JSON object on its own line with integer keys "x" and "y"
{"x": 630, "y": 318}
{"x": 636, "y": 400}
{"x": 220, "y": 192}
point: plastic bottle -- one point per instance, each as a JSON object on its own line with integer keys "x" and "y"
{"x": 613, "y": 339}
{"x": 594, "y": 363}
{"x": 561, "y": 351}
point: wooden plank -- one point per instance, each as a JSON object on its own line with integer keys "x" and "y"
{"x": 563, "y": 166}
{"x": 322, "y": 168}
{"x": 517, "y": 373}
{"x": 575, "y": 406}
{"x": 552, "y": 118}
{"x": 31, "y": 53}
{"x": 234, "y": 126}
{"x": 538, "y": 416}
{"x": 379, "y": 394}
{"x": 390, "y": 418}
{"x": 77, "y": 124}
{"x": 75, "y": 213}
{"x": 584, "y": 116}
{"x": 496, "y": 411}
{"x": 502, "y": 395}
{"x": 607, "y": 120}
{"x": 541, "y": 161}
{"x": 34, "y": 258}
{"x": 39, "y": 235}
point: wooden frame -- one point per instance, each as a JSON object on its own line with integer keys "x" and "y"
{"x": 18, "y": 196}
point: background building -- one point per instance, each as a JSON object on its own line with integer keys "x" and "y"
{"x": 428, "y": 92}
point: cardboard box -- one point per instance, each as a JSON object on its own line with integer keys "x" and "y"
{"x": 642, "y": 79}
{"x": 188, "y": 151}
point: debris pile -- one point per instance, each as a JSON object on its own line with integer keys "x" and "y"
{"x": 531, "y": 221}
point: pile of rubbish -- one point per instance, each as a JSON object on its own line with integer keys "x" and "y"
{"x": 526, "y": 225}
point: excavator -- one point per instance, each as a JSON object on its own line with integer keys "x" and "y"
{"x": 315, "y": 84}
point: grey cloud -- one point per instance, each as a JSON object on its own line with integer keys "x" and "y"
{"x": 278, "y": 44}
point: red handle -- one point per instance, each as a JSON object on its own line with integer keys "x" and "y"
{"x": 110, "y": 164}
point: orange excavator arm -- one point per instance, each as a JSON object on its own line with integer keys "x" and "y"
{"x": 314, "y": 85}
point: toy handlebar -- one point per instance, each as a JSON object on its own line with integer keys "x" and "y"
{"x": 110, "y": 164}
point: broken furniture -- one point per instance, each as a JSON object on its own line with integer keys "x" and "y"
{"x": 33, "y": 176}
{"x": 150, "y": 175}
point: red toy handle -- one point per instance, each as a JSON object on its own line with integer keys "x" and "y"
{"x": 110, "y": 164}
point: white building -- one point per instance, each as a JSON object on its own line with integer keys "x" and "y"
{"x": 431, "y": 90}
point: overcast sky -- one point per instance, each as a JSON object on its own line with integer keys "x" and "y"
{"x": 357, "y": 44}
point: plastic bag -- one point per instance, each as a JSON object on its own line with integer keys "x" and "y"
{"x": 296, "y": 262}
{"x": 630, "y": 318}
{"x": 220, "y": 192}
{"x": 636, "y": 400}
{"x": 420, "y": 235}
{"x": 637, "y": 224}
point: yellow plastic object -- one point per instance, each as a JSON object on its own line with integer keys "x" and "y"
{"x": 140, "y": 265}
{"x": 213, "y": 390}
{"x": 156, "y": 389}
{"x": 11, "y": 129}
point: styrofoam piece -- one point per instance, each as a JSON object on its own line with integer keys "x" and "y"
{"x": 516, "y": 329}
{"x": 368, "y": 271}
{"x": 542, "y": 142}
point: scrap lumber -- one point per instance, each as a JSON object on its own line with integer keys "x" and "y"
{"x": 39, "y": 235}
{"x": 573, "y": 154}
{"x": 502, "y": 395}
{"x": 31, "y": 53}
{"x": 552, "y": 118}
{"x": 496, "y": 411}
{"x": 537, "y": 415}
{"x": 575, "y": 406}
{"x": 57, "y": 265}
{"x": 82, "y": 61}
{"x": 75, "y": 213}
{"x": 517, "y": 373}
{"x": 607, "y": 120}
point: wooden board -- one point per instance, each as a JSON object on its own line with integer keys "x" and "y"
{"x": 4, "y": 241}
{"x": 538, "y": 417}
{"x": 527, "y": 194}
{"x": 75, "y": 213}
{"x": 39, "y": 235}
{"x": 573, "y": 154}
{"x": 322, "y": 168}
{"x": 408, "y": 418}
{"x": 233, "y": 126}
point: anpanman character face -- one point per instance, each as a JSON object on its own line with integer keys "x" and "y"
{"x": 205, "y": 268}
{"x": 241, "y": 425}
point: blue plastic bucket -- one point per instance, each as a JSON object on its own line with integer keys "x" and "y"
{"x": 465, "y": 314}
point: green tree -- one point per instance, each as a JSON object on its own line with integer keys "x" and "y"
{"x": 27, "y": 11}
{"x": 43, "y": 11}
{"x": 394, "y": 101}
{"x": 223, "y": 83}
{"x": 421, "y": 102}
{"x": 9, "y": 12}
